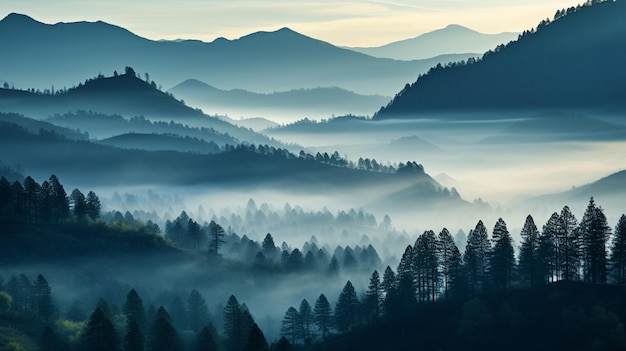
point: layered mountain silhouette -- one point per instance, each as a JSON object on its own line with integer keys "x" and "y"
{"x": 453, "y": 39}
{"x": 38, "y": 55}
{"x": 573, "y": 62}
{"x": 325, "y": 101}
{"x": 112, "y": 101}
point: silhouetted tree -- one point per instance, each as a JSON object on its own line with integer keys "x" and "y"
{"x": 476, "y": 257}
{"x": 323, "y": 315}
{"x": 256, "y": 340}
{"x": 233, "y": 320}
{"x": 134, "y": 339}
{"x": 502, "y": 260}
{"x": 450, "y": 259}
{"x": 426, "y": 266}
{"x": 43, "y": 299}
{"x": 99, "y": 334}
{"x": 216, "y": 235}
{"x": 207, "y": 340}
{"x": 374, "y": 297}
{"x": 289, "y": 326}
{"x": 549, "y": 253}
{"x": 163, "y": 335}
{"x": 529, "y": 267}
{"x": 306, "y": 321}
{"x": 595, "y": 233}
{"x": 93, "y": 206}
{"x": 283, "y": 345}
{"x": 133, "y": 309}
{"x": 568, "y": 241}
{"x": 198, "y": 311}
{"x": 618, "y": 252}
{"x": 78, "y": 204}
{"x": 389, "y": 288}
{"x": 346, "y": 309}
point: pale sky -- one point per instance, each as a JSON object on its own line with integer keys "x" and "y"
{"x": 347, "y": 23}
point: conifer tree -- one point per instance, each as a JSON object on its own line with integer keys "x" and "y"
{"x": 389, "y": 288}
{"x": 78, "y": 203}
{"x": 568, "y": 241}
{"x": 594, "y": 232}
{"x": 134, "y": 339}
{"x": 163, "y": 335}
{"x": 618, "y": 252}
{"x": 346, "y": 309}
{"x": 43, "y": 299}
{"x": 374, "y": 297}
{"x": 233, "y": 319}
{"x": 502, "y": 258}
{"x": 476, "y": 257}
{"x": 216, "y": 236}
{"x": 323, "y": 315}
{"x": 426, "y": 266}
{"x": 549, "y": 254}
{"x": 306, "y": 321}
{"x": 529, "y": 266}
{"x": 289, "y": 326}
{"x": 198, "y": 311}
{"x": 93, "y": 206}
{"x": 99, "y": 334}
{"x": 450, "y": 258}
{"x": 207, "y": 340}
{"x": 256, "y": 340}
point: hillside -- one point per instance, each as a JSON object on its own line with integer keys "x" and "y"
{"x": 117, "y": 97}
{"x": 161, "y": 142}
{"x": 453, "y": 39}
{"x": 570, "y": 63}
{"x": 324, "y": 101}
{"x": 280, "y": 60}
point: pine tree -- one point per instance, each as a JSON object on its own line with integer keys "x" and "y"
{"x": 163, "y": 335}
{"x": 207, "y": 340}
{"x": 133, "y": 309}
{"x": 450, "y": 258}
{"x": 594, "y": 232}
{"x": 134, "y": 339}
{"x": 78, "y": 203}
{"x": 426, "y": 266}
{"x": 306, "y": 320}
{"x": 374, "y": 297}
{"x": 529, "y": 256}
{"x": 618, "y": 252}
{"x": 93, "y": 206}
{"x": 43, "y": 299}
{"x": 568, "y": 241}
{"x": 502, "y": 258}
{"x": 476, "y": 257}
{"x": 389, "y": 289}
{"x": 289, "y": 326}
{"x": 549, "y": 254}
{"x": 48, "y": 340}
{"x": 198, "y": 311}
{"x": 323, "y": 315}
{"x": 216, "y": 235}
{"x": 346, "y": 309}
{"x": 99, "y": 334}
{"x": 283, "y": 345}
{"x": 256, "y": 340}
{"x": 31, "y": 196}
{"x": 233, "y": 324}
{"x": 59, "y": 202}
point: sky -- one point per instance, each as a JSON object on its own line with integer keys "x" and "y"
{"x": 345, "y": 23}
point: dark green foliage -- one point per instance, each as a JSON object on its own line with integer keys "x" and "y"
{"x": 502, "y": 259}
{"x": 346, "y": 310}
{"x": 323, "y": 315}
{"x": 163, "y": 335}
{"x": 256, "y": 340}
{"x": 618, "y": 252}
{"x": 197, "y": 310}
{"x": 208, "y": 340}
{"x": 99, "y": 335}
{"x": 529, "y": 268}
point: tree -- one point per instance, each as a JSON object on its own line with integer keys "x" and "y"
{"x": 323, "y": 315}
{"x": 568, "y": 241}
{"x": 31, "y": 197}
{"x": 207, "y": 340}
{"x": 130, "y": 71}
{"x": 78, "y": 204}
{"x": 502, "y": 258}
{"x": 59, "y": 202}
{"x": 134, "y": 339}
{"x": 283, "y": 345}
{"x": 198, "y": 311}
{"x": 450, "y": 259}
{"x": 163, "y": 335}
{"x": 43, "y": 299}
{"x": 99, "y": 334}
{"x": 346, "y": 309}
{"x": 216, "y": 234}
{"x": 549, "y": 250}
{"x": 93, "y": 206}
{"x": 529, "y": 255}
{"x": 426, "y": 266}
{"x": 48, "y": 340}
{"x": 374, "y": 297}
{"x": 195, "y": 233}
{"x": 289, "y": 325}
{"x": 405, "y": 288}
{"x": 256, "y": 340}
{"x": 594, "y": 232}
{"x": 269, "y": 248}
{"x": 233, "y": 324}
{"x": 133, "y": 309}
{"x": 306, "y": 320}
{"x": 388, "y": 287}
{"x": 476, "y": 257}
{"x": 618, "y": 252}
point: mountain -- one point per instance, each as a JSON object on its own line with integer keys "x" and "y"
{"x": 110, "y": 99}
{"x": 35, "y": 126}
{"x": 573, "y": 62}
{"x": 608, "y": 191}
{"x": 453, "y": 39}
{"x": 257, "y": 124}
{"x": 263, "y": 62}
{"x": 162, "y": 142}
{"x": 321, "y": 101}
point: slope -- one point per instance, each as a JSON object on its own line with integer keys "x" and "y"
{"x": 279, "y": 60}
{"x": 453, "y": 39}
{"x": 573, "y": 62}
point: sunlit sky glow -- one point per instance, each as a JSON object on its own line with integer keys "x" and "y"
{"x": 349, "y": 23}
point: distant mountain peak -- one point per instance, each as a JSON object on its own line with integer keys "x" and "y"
{"x": 18, "y": 19}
